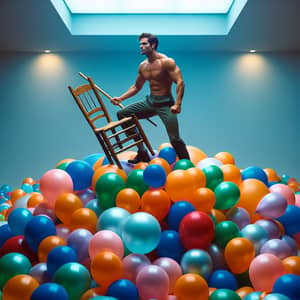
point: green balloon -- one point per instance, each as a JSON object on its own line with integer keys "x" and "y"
{"x": 63, "y": 166}
{"x": 135, "y": 180}
{"x": 183, "y": 164}
{"x": 75, "y": 278}
{"x": 107, "y": 188}
{"x": 226, "y": 231}
{"x": 213, "y": 175}
{"x": 227, "y": 195}
{"x": 224, "y": 294}
{"x": 12, "y": 264}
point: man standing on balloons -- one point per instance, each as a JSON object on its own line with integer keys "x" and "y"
{"x": 160, "y": 71}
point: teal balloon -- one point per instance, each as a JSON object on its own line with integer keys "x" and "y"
{"x": 253, "y": 296}
{"x": 213, "y": 175}
{"x": 276, "y": 296}
{"x": 135, "y": 180}
{"x": 12, "y": 264}
{"x": 224, "y": 294}
{"x": 27, "y": 188}
{"x": 183, "y": 164}
{"x": 75, "y": 278}
{"x": 112, "y": 219}
{"x": 141, "y": 233}
{"x": 227, "y": 195}
{"x": 226, "y": 231}
{"x": 107, "y": 188}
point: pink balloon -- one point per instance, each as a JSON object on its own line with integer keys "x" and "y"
{"x": 132, "y": 264}
{"x": 153, "y": 283}
{"x": 264, "y": 270}
{"x": 272, "y": 205}
{"x": 297, "y": 200}
{"x": 106, "y": 240}
{"x": 53, "y": 183}
{"x": 285, "y": 191}
{"x": 172, "y": 268}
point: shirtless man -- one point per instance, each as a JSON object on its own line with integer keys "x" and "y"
{"x": 160, "y": 71}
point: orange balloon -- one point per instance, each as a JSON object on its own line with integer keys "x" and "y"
{"x": 163, "y": 145}
{"x": 28, "y": 180}
{"x": 225, "y": 158}
{"x": 141, "y": 165}
{"x": 128, "y": 199}
{"x": 203, "y": 199}
{"x": 271, "y": 174}
{"x": 211, "y": 290}
{"x": 231, "y": 173}
{"x": 244, "y": 290}
{"x": 19, "y": 287}
{"x": 47, "y": 244}
{"x": 65, "y": 205}
{"x": 294, "y": 185}
{"x": 107, "y": 169}
{"x": 218, "y": 214}
{"x": 198, "y": 177}
{"x": 292, "y": 265}
{"x": 35, "y": 199}
{"x": 251, "y": 192}
{"x": 84, "y": 218}
{"x": 191, "y": 287}
{"x": 106, "y": 267}
{"x": 162, "y": 162}
{"x": 98, "y": 163}
{"x": 179, "y": 185}
{"x": 195, "y": 154}
{"x": 16, "y": 194}
{"x": 239, "y": 253}
{"x": 156, "y": 202}
{"x": 93, "y": 292}
{"x": 66, "y": 160}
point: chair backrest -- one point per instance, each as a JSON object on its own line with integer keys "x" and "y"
{"x": 91, "y": 104}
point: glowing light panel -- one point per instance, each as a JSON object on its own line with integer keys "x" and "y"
{"x": 149, "y": 7}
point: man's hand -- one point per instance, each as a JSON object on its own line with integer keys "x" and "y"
{"x": 115, "y": 100}
{"x": 175, "y": 109}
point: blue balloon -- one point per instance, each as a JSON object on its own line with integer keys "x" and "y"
{"x": 256, "y": 173}
{"x": 59, "y": 256}
{"x": 49, "y": 291}
{"x": 223, "y": 279}
{"x": 5, "y": 188}
{"x": 155, "y": 175}
{"x": 123, "y": 289}
{"x": 93, "y": 205}
{"x": 92, "y": 158}
{"x": 170, "y": 245}
{"x": 177, "y": 212}
{"x": 38, "y": 228}
{"x": 18, "y": 219}
{"x": 81, "y": 173}
{"x": 288, "y": 285}
{"x": 168, "y": 153}
{"x": 5, "y": 233}
{"x": 290, "y": 220}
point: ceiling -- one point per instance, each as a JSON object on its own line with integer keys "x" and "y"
{"x": 265, "y": 25}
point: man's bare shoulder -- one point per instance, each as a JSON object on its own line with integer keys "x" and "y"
{"x": 168, "y": 63}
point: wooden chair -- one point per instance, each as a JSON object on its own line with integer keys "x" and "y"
{"x": 113, "y": 136}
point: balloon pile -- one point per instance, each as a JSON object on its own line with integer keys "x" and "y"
{"x": 168, "y": 229}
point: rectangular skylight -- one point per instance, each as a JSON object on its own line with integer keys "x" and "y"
{"x": 149, "y": 7}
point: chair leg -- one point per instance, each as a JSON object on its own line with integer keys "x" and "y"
{"x": 142, "y": 133}
{"x": 106, "y": 151}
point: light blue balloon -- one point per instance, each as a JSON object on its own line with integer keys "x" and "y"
{"x": 141, "y": 233}
{"x": 27, "y": 188}
{"x": 253, "y": 296}
{"x": 18, "y": 219}
{"x": 197, "y": 261}
{"x": 93, "y": 205}
{"x": 256, "y": 234}
{"x": 276, "y": 296}
{"x": 112, "y": 219}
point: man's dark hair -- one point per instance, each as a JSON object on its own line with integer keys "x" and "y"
{"x": 151, "y": 38}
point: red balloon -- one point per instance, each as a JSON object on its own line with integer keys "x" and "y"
{"x": 196, "y": 230}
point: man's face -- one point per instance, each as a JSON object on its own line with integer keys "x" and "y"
{"x": 145, "y": 46}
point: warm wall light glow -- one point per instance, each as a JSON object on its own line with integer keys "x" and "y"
{"x": 157, "y": 7}
{"x": 251, "y": 64}
{"x": 48, "y": 65}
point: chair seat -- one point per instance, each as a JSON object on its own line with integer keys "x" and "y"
{"x": 113, "y": 124}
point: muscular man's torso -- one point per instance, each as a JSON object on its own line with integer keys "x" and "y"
{"x": 156, "y": 73}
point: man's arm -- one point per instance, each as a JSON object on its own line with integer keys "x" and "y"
{"x": 176, "y": 77}
{"x": 134, "y": 89}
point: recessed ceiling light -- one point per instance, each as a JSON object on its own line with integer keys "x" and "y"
{"x": 47, "y": 51}
{"x": 252, "y": 51}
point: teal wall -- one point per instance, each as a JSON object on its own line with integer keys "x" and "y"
{"x": 246, "y": 104}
